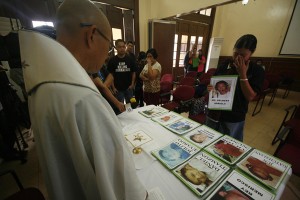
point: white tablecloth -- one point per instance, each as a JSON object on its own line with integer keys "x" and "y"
{"x": 150, "y": 171}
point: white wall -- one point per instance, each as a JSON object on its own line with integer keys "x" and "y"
{"x": 157, "y": 9}
{"x": 267, "y": 19}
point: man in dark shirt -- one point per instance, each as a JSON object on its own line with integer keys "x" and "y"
{"x": 129, "y": 50}
{"x": 123, "y": 69}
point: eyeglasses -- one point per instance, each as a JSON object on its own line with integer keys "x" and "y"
{"x": 111, "y": 46}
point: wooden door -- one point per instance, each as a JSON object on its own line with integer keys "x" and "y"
{"x": 161, "y": 37}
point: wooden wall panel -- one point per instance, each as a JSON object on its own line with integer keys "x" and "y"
{"x": 193, "y": 29}
{"x": 115, "y": 17}
{"x": 128, "y": 22}
{"x": 183, "y": 28}
{"x": 163, "y": 40}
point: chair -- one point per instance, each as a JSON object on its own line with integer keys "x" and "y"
{"x": 192, "y": 74}
{"x": 274, "y": 80}
{"x": 186, "y": 81}
{"x": 288, "y": 148}
{"x": 291, "y": 120}
{"x": 211, "y": 71}
{"x": 166, "y": 85}
{"x": 201, "y": 87}
{"x": 165, "y": 91}
{"x": 167, "y": 77}
{"x": 205, "y": 78}
{"x": 182, "y": 99}
{"x": 23, "y": 193}
{"x": 286, "y": 82}
{"x": 198, "y": 109}
{"x": 261, "y": 97}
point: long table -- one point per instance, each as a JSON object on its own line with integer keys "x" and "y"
{"x": 150, "y": 171}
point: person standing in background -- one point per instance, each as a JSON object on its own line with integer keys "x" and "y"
{"x": 123, "y": 69}
{"x": 138, "y": 92}
{"x": 129, "y": 50}
{"x": 202, "y": 61}
{"x": 188, "y": 60}
{"x": 251, "y": 77}
{"x": 151, "y": 78}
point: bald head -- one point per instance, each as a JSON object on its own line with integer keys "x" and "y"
{"x": 73, "y": 12}
{"x": 83, "y": 41}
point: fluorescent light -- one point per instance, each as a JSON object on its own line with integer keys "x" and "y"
{"x": 41, "y": 23}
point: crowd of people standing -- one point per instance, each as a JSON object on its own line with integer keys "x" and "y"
{"x": 123, "y": 77}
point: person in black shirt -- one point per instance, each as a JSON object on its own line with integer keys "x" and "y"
{"x": 123, "y": 69}
{"x": 251, "y": 77}
{"x": 129, "y": 50}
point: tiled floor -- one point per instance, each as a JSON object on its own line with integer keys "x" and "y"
{"x": 259, "y": 132}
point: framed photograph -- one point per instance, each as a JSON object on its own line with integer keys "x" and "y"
{"x": 222, "y": 95}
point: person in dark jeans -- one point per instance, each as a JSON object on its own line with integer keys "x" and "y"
{"x": 123, "y": 70}
{"x": 250, "y": 81}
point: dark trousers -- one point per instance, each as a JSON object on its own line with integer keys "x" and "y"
{"x": 139, "y": 96}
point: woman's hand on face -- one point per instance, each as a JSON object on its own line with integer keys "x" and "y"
{"x": 241, "y": 65}
{"x": 149, "y": 62}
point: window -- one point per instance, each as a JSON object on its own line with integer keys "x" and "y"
{"x": 175, "y": 49}
{"x": 116, "y": 34}
{"x": 206, "y": 12}
{"x": 183, "y": 49}
{"x": 200, "y": 41}
{"x": 185, "y": 44}
{"x": 192, "y": 41}
{"x": 41, "y": 23}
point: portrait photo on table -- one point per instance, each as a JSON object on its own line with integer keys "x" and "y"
{"x": 202, "y": 136}
{"x": 201, "y": 172}
{"x": 175, "y": 153}
{"x": 227, "y": 151}
{"x": 228, "y": 191}
{"x": 172, "y": 155}
{"x": 222, "y": 94}
{"x": 262, "y": 171}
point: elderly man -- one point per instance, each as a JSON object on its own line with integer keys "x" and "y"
{"x": 81, "y": 147}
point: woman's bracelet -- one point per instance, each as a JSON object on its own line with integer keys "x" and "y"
{"x": 243, "y": 79}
